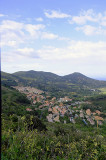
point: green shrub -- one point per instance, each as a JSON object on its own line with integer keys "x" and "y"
{"x": 34, "y": 122}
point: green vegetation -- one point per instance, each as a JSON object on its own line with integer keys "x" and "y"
{"x": 26, "y": 135}
{"x": 103, "y": 90}
{"x": 58, "y": 141}
{"x": 13, "y": 102}
{"x": 58, "y": 86}
{"x": 99, "y": 102}
{"x": 8, "y": 79}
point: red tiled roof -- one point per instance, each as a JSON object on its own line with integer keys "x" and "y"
{"x": 29, "y": 109}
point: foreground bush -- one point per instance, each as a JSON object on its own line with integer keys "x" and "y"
{"x": 52, "y": 145}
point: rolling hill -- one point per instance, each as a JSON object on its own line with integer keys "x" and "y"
{"x": 80, "y": 79}
{"x": 52, "y": 83}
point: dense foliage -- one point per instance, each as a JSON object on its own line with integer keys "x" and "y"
{"x": 26, "y": 136}
{"x": 98, "y": 103}
{"x": 60, "y": 142}
{"x": 13, "y": 102}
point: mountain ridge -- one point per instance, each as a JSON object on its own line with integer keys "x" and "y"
{"x": 33, "y": 71}
{"x": 53, "y": 83}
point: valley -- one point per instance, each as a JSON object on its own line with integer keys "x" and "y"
{"x": 51, "y": 114}
{"x": 61, "y": 109}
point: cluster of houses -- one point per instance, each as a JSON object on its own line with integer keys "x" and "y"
{"x": 28, "y": 89}
{"x": 57, "y": 108}
{"x": 32, "y": 94}
{"x": 94, "y": 116}
{"x": 55, "y": 113}
{"x": 73, "y": 113}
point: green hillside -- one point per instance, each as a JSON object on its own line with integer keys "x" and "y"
{"x": 73, "y": 84}
{"x": 13, "y": 102}
{"x": 37, "y": 75}
{"x": 74, "y": 78}
{"x": 25, "y": 136}
{"x": 80, "y": 79}
{"x": 8, "y": 79}
{"x": 99, "y": 101}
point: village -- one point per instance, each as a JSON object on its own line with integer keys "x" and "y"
{"x": 58, "y": 109}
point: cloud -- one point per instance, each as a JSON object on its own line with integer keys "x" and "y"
{"x": 46, "y": 35}
{"x": 26, "y": 67}
{"x": 20, "y": 67}
{"x": 12, "y": 38}
{"x": 22, "y": 44}
{"x": 19, "y": 55}
{"x": 80, "y": 56}
{"x": 91, "y": 30}
{"x": 27, "y": 52}
{"x": 11, "y": 33}
{"x": 2, "y": 15}
{"x": 90, "y": 23}
{"x": 76, "y": 50}
{"x": 39, "y": 19}
{"x": 23, "y": 50}
{"x": 56, "y": 14}
{"x": 87, "y": 29}
{"x": 11, "y": 25}
{"x": 14, "y": 33}
{"x": 86, "y": 16}
{"x": 33, "y": 29}
{"x": 103, "y": 21}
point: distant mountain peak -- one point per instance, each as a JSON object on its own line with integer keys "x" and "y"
{"x": 77, "y": 73}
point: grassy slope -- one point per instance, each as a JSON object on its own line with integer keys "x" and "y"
{"x": 103, "y": 90}
{"x": 13, "y": 102}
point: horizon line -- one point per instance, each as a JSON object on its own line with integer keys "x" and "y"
{"x": 96, "y": 78}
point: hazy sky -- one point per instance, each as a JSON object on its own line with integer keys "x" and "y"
{"x": 59, "y": 36}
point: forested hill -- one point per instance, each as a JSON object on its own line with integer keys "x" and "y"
{"x": 80, "y": 79}
{"x": 37, "y": 75}
{"x": 50, "y": 82}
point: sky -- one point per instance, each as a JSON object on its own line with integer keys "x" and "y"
{"x": 58, "y": 36}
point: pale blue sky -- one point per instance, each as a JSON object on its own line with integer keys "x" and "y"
{"x": 59, "y": 36}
